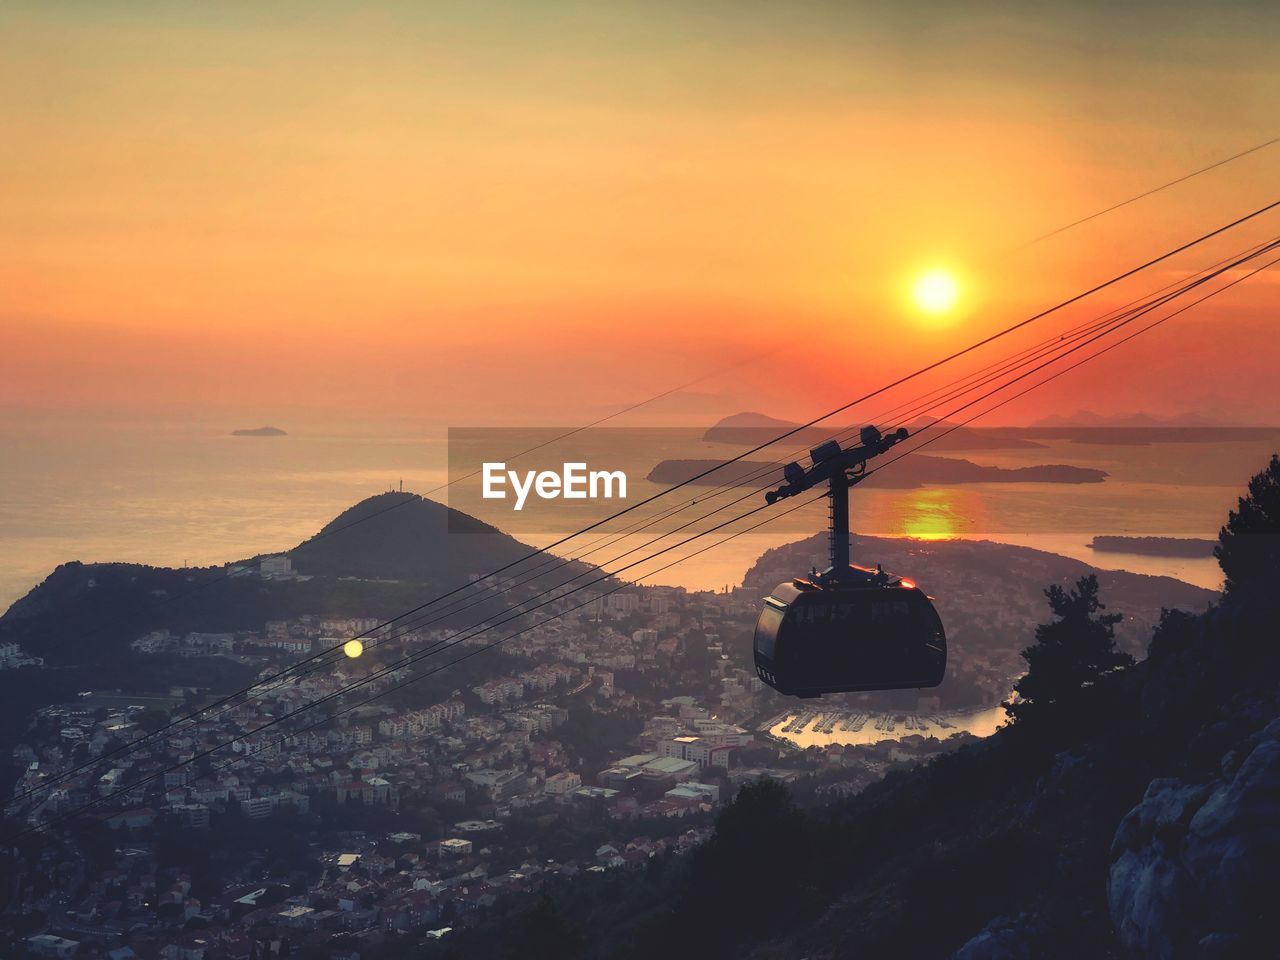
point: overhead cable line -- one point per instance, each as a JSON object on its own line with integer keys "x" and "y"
{"x": 412, "y": 660}
{"x": 288, "y": 673}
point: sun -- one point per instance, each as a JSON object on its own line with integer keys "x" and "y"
{"x": 353, "y": 648}
{"x": 935, "y": 291}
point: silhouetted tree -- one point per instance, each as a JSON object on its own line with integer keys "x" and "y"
{"x": 1249, "y": 545}
{"x": 749, "y": 879}
{"x": 1071, "y": 652}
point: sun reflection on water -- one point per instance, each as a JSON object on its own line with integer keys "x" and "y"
{"x": 930, "y": 514}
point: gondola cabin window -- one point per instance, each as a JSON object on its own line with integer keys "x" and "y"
{"x": 767, "y": 630}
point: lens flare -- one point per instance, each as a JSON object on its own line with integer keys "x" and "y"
{"x": 353, "y": 648}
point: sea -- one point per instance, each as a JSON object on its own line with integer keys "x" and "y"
{"x": 176, "y": 495}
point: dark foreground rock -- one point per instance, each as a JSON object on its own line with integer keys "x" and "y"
{"x": 1195, "y": 865}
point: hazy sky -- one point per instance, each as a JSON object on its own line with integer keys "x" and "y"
{"x": 440, "y": 213}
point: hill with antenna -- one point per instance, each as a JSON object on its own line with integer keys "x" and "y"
{"x": 403, "y": 536}
{"x": 383, "y": 555}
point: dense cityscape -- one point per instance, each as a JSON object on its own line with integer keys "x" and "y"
{"x": 596, "y": 740}
{"x": 441, "y": 781}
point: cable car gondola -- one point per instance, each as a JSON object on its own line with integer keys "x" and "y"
{"x": 849, "y": 628}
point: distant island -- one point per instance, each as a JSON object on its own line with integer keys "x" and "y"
{"x": 1187, "y": 547}
{"x": 913, "y": 471}
{"x": 1134, "y": 430}
{"x": 1137, "y": 436}
{"x": 750, "y": 429}
{"x": 259, "y": 432}
{"x": 1087, "y": 418}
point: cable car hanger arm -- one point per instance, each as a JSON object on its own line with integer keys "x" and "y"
{"x": 834, "y": 465}
{"x": 840, "y": 469}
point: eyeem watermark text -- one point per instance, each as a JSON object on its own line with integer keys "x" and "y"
{"x": 573, "y": 482}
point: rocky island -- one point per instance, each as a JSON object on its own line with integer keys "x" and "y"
{"x": 756, "y": 428}
{"x": 915, "y": 470}
{"x": 1190, "y": 547}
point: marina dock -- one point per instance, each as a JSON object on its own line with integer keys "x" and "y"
{"x": 826, "y": 722}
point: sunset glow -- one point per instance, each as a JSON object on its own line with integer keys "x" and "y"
{"x": 278, "y": 216}
{"x": 936, "y": 291}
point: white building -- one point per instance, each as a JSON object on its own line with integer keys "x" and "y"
{"x": 455, "y": 847}
{"x": 47, "y": 945}
{"x": 692, "y": 790}
{"x": 278, "y": 566}
{"x": 562, "y": 784}
{"x": 622, "y": 603}
{"x": 500, "y": 690}
{"x": 704, "y": 751}
{"x": 256, "y": 808}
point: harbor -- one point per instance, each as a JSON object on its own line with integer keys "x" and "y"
{"x": 809, "y": 727}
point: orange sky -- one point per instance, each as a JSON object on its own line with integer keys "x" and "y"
{"x": 445, "y": 213}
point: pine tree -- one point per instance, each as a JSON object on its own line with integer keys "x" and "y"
{"x": 1249, "y": 545}
{"x": 1071, "y": 653}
